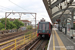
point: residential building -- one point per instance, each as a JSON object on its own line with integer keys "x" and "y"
{"x": 26, "y": 22}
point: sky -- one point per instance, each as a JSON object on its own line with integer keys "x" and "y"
{"x": 36, "y": 6}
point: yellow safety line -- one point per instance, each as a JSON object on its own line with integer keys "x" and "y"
{"x": 53, "y": 42}
{"x": 61, "y": 45}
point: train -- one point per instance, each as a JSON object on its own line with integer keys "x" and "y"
{"x": 44, "y": 29}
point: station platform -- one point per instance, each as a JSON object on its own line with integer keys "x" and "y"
{"x": 60, "y": 41}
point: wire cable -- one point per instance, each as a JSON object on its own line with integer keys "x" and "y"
{"x": 19, "y": 6}
{"x": 4, "y": 7}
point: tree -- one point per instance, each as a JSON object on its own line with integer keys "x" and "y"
{"x": 18, "y": 23}
{"x": 1, "y": 25}
{"x": 9, "y": 24}
{"x": 2, "y": 20}
{"x": 29, "y": 27}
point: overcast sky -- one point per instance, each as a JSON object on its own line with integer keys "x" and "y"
{"x": 35, "y": 6}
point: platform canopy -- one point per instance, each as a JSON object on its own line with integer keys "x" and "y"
{"x": 59, "y": 9}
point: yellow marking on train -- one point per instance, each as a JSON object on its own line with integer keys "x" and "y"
{"x": 61, "y": 45}
{"x": 53, "y": 42}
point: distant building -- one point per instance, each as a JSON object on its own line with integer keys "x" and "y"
{"x": 26, "y": 22}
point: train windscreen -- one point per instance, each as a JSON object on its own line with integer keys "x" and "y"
{"x": 43, "y": 26}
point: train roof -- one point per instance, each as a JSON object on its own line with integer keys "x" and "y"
{"x": 44, "y": 22}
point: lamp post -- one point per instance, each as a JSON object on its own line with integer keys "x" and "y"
{"x": 35, "y": 21}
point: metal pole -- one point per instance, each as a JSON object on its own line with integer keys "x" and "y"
{"x": 72, "y": 24}
{"x": 5, "y": 21}
{"x": 72, "y": 20}
{"x": 35, "y": 21}
{"x": 58, "y": 25}
{"x": 66, "y": 28}
{"x": 6, "y": 18}
{"x": 20, "y": 16}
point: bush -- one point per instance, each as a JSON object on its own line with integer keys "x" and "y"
{"x": 18, "y": 23}
{"x": 29, "y": 32}
{"x": 10, "y": 24}
{"x": 29, "y": 27}
{"x": 3, "y": 29}
{"x": 1, "y": 26}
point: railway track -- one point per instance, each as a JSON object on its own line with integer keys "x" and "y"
{"x": 11, "y": 38}
{"x": 40, "y": 44}
{"x": 13, "y": 35}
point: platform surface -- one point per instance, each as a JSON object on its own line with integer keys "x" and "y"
{"x": 59, "y": 41}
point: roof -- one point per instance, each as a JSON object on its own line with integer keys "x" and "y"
{"x": 12, "y": 19}
{"x": 57, "y": 11}
{"x": 25, "y": 21}
{"x": 20, "y": 20}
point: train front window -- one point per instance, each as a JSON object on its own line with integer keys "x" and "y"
{"x": 43, "y": 26}
{"x": 40, "y": 26}
{"x": 47, "y": 26}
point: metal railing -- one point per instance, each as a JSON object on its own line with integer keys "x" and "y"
{"x": 18, "y": 42}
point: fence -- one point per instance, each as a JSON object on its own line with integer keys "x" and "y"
{"x": 18, "y": 42}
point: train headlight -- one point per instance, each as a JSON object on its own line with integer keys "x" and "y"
{"x": 47, "y": 31}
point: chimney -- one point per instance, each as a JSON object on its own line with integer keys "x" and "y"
{"x": 14, "y": 18}
{"x": 19, "y": 18}
{"x": 10, "y": 18}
